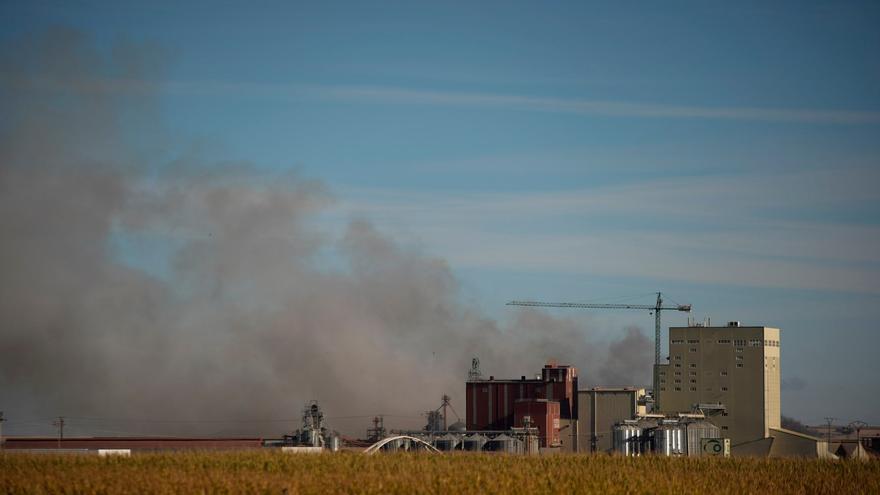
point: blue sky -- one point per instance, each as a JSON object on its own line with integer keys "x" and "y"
{"x": 725, "y": 153}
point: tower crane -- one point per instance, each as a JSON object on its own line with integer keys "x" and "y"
{"x": 655, "y": 309}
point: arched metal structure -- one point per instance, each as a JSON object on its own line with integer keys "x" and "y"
{"x": 372, "y": 449}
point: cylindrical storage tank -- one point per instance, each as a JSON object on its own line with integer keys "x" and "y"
{"x": 334, "y": 443}
{"x": 501, "y": 443}
{"x": 627, "y": 438}
{"x": 670, "y": 439}
{"x": 696, "y": 432}
{"x": 648, "y": 426}
{"x": 474, "y": 443}
{"x": 446, "y": 443}
{"x": 313, "y": 438}
{"x": 458, "y": 426}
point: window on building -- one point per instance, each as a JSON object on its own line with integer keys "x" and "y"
{"x": 663, "y": 389}
{"x": 723, "y": 373}
{"x": 662, "y": 373}
{"x": 693, "y": 341}
{"x": 677, "y": 358}
{"x": 724, "y": 341}
{"x": 693, "y": 349}
{"x": 693, "y": 365}
{"x": 755, "y": 342}
{"x": 678, "y": 389}
{"x": 739, "y": 358}
{"x": 724, "y": 389}
{"x": 723, "y": 427}
{"x": 692, "y": 373}
{"x": 739, "y": 349}
{"x": 678, "y": 373}
{"x": 739, "y": 365}
{"x": 663, "y": 380}
{"x": 725, "y": 413}
{"x": 693, "y": 389}
{"x": 678, "y": 365}
{"x": 677, "y": 380}
{"x": 677, "y": 341}
{"x": 739, "y": 342}
{"x": 693, "y": 381}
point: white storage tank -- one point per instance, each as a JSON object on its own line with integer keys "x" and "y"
{"x": 503, "y": 443}
{"x": 627, "y": 438}
{"x": 474, "y": 443}
{"x": 446, "y": 443}
{"x": 670, "y": 439}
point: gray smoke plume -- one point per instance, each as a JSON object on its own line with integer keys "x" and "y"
{"x": 141, "y": 288}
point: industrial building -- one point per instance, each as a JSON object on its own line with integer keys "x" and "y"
{"x": 734, "y": 366}
{"x": 732, "y": 373}
{"x": 491, "y": 404}
{"x": 542, "y": 414}
{"x": 599, "y": 409}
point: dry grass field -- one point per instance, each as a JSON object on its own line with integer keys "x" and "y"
{"x": 274, "y": 472}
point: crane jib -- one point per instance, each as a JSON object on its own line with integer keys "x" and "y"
{"x": 655, "y": 310}
{"x": 683, "y": 307}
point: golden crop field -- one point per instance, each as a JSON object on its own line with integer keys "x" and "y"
{"x": 275, "y": 472}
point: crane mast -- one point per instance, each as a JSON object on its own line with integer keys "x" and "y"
{"x": 656, "y": 309}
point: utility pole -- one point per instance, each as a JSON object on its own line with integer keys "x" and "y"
{"x": 1, "y": 430}
{"x": 829, "y": 420}
{"x": 60, "y": 424}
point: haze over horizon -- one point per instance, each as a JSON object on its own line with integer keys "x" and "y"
{"x": 216, "y": 213}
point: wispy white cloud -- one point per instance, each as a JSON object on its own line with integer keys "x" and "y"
{"x": 677, "y": 199}
{"x": 409, "y": 96}
{"x": 645, "y": 255}
{"x": 713, "y": 230}
{"x": 597, "y": 107}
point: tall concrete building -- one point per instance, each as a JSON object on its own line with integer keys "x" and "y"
{"x": 732, "y": 365}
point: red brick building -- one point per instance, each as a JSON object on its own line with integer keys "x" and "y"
{"x": 491, "y": 403}
{"x": 543, "y": 414}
